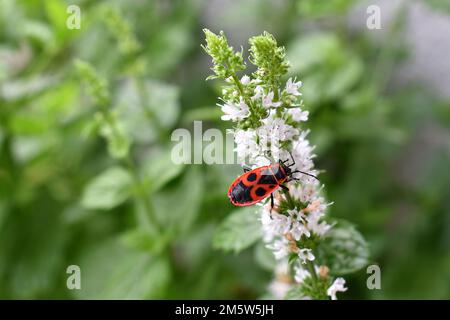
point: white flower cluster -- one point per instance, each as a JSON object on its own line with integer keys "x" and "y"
{"x": 253, "y": 144}
{"x": 279, "y": 134}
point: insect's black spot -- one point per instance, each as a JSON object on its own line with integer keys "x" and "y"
{"x": 272, "y": 186}
{"x": 251, "y": 177}
{"x": 241, "y": 193}
{"x": 260, "y": 192}
{"x": 267, "y": 179}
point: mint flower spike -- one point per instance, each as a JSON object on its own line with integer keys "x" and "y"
{"x": 226, "y": 61}
{"x": 96, "y": 85}
{"x": 268, "y": 117}
{"x": 269, "y": 58}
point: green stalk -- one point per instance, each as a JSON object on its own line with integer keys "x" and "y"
{"x": 148, "y": 218}
{"x": 312, "y": 271}
{"x": 241, "y": 91}
{"x": 289, "y": 199}
{"x": 150, "y": 114}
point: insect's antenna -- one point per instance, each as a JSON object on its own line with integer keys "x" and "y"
{"x": 308, "y": 174}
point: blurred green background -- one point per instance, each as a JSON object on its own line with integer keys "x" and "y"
{"x": 383, "y": 140}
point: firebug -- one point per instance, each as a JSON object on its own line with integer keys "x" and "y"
{"x": 257, "y": 184}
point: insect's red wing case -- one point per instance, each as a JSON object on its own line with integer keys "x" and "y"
{"x": 249, "y": 184}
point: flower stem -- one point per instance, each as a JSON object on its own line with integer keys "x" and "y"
{"x": 147, "y": 217}
{"x": 238, "y": 84}
{"x": 143, "y": 101}
{"x": 289, "y": 199}
{"x": 312, "y": 271}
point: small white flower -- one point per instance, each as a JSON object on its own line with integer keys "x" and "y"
{"x": 306, "y": 193}
{"x": 297, "y": 226}
{"x": 298, "y": 115}
{"x": 274, "y": 224}
{"x": 279, "y": 289}
{"x": 298, "y": 230}
{"x": 267, "y": 101}
{"x": 280, "y": 248}
{"x": 280, "y": 223}
{"x": 246, "y": 145}
{"x": 235, "y": 112}
{"x": 305, "y": 254}
{"x": 275, "y": 130}
{"x": 337, "y": 286}
{"x": 292, "y": 87}
{"x": 261, "y": 161}
{"x": 314, "y": 224}
{"x": 296, "y": 215}
{"x": 281, "y": 284}
{"x": 259, "y": 92}
{"x": 300, "y": 274}
{"x": 245, "y": 80}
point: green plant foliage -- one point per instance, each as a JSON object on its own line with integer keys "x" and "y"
{"x": 268, "y": 57}
{"x": 109, "y": 189}
{"x": 344, "y": 250}
{"x": 239, "y": 231}
{"x": 112, "y": 271}
{"x": 86, "y": 176}
{"x": 225, "y": 60}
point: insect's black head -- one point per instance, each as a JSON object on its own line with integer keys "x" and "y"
{"x": 288, "y": 171}
{"x": 286, "y": 168}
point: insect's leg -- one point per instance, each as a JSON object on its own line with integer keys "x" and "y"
{"x": 282, "y": 186}
{"x": 271, "y": 203}
{"x": 246, "y": 168}
{"x": 293, "y": 160}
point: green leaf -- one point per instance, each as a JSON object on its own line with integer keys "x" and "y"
{"x": 314, "y": 9}
{"x": 110, "y": 270}
{"x": 160, "y": 169}
{"x": 3, "y": 212}
{"x": 443, "y": 6}
{"x": 32, "y": 250}
{"x": 168, "y": 46}
{"x": 344, "y": 250}
{"x": 240, "y": 230}
{"x": 27, "y": 123}
{"x": 143, "y": 240}
{"x": 344, "y": 78}
{"x": 108, "y": 190}
{"x": 179, "y": 205}
{"x": 306, "y": 52}
{"x": 144, "y": 113}
{"x": 264, "y": 257}
{"x": 56, "y": 13}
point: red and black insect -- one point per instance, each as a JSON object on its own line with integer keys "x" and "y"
{"x": 255, "y": 185}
